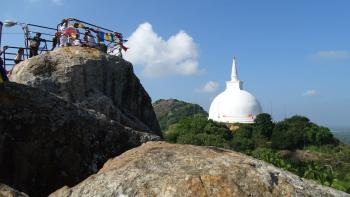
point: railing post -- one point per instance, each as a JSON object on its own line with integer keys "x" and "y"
{"x": 4, "y": 59}
{"x": 0, "y": 32}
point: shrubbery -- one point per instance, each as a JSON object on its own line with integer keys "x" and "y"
{"x": 298, "y": 132}
{"x": 292, "y": 133}
{"x": 308, "y": 169}
{"x": 199, "y": 131}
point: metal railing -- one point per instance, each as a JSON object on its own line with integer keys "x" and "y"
{"x": 1, "y": 24}
{"x": 47, "y": 34}
{"x": 9, "y": 54}
{"x": 103, "y": 35}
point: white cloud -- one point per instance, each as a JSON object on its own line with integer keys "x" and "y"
{"x": 332, "y": 55}
{"x": 158, "y": 57}
{"x": 210, "y": 86}
{"x": 311, "y": 92}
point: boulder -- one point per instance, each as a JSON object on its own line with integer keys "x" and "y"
{"x": 6, "y": 191}
{"x": 162, "y": 169}
{"x": 47, "y": 142}
{"x": 93, "y": 80}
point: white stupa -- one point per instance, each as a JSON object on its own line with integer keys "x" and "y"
{"x": 234, "y": 105}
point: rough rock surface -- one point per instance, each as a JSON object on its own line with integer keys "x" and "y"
{"x": 162, "y": 169}
{"x": 94, "y": 80}
{"x": 6, "y": 191}
{"x": 47, "y": 142}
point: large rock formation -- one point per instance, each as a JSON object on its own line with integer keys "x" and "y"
{"x": 162, "y": 169}
{"x": 85, "y": 108}
{"x": 94, "y": 80}
{"x": 47, "y": 142}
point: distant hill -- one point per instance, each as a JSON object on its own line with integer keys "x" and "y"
{"x": 343, "y": 134}
{"x": 170, "y": 111}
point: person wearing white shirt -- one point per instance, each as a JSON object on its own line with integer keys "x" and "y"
{"x": 77, "y": 42}
{"x": 92, "y": 41}
{"x": 63, "y": 37}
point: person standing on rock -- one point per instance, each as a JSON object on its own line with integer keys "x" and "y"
{"x": 3, "y": 75}
{"x": 76, "y": 41}
{"x": 89, "y": 40}
{"x": 85, "y": 39}
{"x": 18, "y": 58}
{"x": 56, "y": 40}
{"x": 92, "y": 41}
{"x": 19, "y": 55}
{"x": 34, "y": 45}
{"x": 63, "y": 36}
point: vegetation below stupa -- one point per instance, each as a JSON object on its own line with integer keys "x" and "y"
{"x": 294, "y": 144}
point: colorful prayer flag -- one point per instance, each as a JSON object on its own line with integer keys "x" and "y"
{"x": 124, "y": 47}
{"x": 108, "y": 37}
{"x": 102, "y": 36}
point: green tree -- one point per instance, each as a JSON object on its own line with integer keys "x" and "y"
{"x": 324, "y": 136}
{"x": 172, "y": 134}
{"x": 244, "y": 131}
{"x": 299, "y": 132}
{"x": 198, "y": 130}
{"x": 281, "y": 137}
{"x": 189, "y": 138}
{"x": 310, "y": 133}
{"x": 264, "y": 125}
{"x": 242, "y": 144}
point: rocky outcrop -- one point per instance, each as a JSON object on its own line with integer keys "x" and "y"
{"x": 93, "y": 80}
{"x": 162, "y": 169}
{"x": 6, "y": 191}
{"x": 47, "y": 142}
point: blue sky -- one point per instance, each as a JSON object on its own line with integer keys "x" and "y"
{"x": 294, "y": 56}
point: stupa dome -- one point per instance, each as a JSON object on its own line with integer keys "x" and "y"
{"x": 234, "y": 104}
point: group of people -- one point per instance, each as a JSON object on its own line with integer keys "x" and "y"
{"x": 69, "y": 35}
